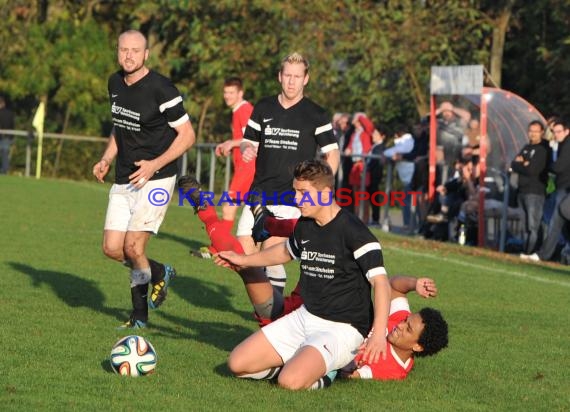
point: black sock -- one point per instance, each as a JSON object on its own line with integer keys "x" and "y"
{"x": 156, "y": 270}
{"x": 139, "y": 295}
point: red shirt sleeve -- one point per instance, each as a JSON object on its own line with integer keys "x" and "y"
{"x": 239, "y": 119}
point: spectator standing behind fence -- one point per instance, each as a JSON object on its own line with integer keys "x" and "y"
{"x": 243, "y": 171}
{"x": 451, "y": 124}
{"x": 341, "y": 125}
{"x": 6, "y": 122}
{"x": 561, "y": 169}
{"x": 550, "y": 200}
{"x": 531, "y": 164}
{"x": 403, "y": 145}
{"x": 421, "y": 166}
{"x": 375, "y": 167}
{"x": 359, "y": 144}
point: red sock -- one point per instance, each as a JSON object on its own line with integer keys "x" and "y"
{"x": 229, "y": 224}
{"x": 208, "y": 216}
{"x": 280, "y": 227}
{"x": 222, "y": 239}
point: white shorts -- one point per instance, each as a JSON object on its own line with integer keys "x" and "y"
{"x": 139, "y": 210}
{"x": 245, "y": 224}
{"x": 337, "y": 342}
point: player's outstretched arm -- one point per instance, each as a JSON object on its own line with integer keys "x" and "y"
{"x": 401, "y": 285}
{"x": 225, "y": 148}
{"x": 274, "y": 255}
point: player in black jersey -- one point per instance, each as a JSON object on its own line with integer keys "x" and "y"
{"x": 340, "y": 261}
{"x": 151, "y": 130}
{"x": 282, "y": 131}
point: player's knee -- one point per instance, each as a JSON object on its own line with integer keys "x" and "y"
{"x": 113, "y": 252}
{"x": 235, "y": 363}
{"x": 289, "y": 381}
{"x": 133, "y": 251}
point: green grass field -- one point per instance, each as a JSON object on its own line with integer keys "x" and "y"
{"x": 62, "y": 299}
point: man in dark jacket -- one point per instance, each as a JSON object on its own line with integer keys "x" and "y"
{"x": 531, "y": 164}
{"x": 561, "y": 168}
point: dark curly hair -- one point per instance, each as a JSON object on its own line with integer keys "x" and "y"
{"x": 434, "y": 336}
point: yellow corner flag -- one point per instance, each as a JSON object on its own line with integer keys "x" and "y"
{"x": 38, "y": 124}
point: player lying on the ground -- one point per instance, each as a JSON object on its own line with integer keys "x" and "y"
{"x": 429, "y": 329}
{"x": 422, "y": 333}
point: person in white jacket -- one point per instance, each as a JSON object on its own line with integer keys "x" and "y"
{"x": 402, "y": 155}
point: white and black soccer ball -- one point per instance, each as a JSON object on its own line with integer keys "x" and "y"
{"x": 133, "y": 356}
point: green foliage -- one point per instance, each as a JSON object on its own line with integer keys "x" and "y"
{"x": 372, "y": 56}
{"x": 538, "y": 56}
{"x": 84, "y": 61}
{"x": 68, "y": 61}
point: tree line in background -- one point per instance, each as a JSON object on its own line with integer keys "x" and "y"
{"x": 372, "y": 56}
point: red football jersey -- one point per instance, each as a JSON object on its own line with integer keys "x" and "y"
{"x": 241, "y": 114}
{"x": 392, "y": 367}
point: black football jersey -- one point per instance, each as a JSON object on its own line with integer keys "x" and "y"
{"x": 336, "y": 261}
{"x": 286, "y": 137}
{"x": 144, "y": 117}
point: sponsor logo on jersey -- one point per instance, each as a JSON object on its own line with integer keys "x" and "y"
{"x": 317, "y": 256}
{"x": 116, "y": 109}
{"x": 269, "y": 131}
{"x": 277, "y": 131}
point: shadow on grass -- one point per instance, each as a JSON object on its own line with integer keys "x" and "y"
{"x": 205, "y": 294}
{"x": 221, "y": 335}
{"x": 191, "y": 244}
{"x": 78, "y": 292}
{"x": 106, "y": 365}
{"x": 223, "y": 370}
{"x": 557, "y": 268}
{"x": 200, "y": 295}
{"x": 73, "y": 290}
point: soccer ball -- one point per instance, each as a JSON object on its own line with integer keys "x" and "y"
{"x": 133, "y": 356}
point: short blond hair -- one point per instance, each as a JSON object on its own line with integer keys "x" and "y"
{"x": 295, "y": 58}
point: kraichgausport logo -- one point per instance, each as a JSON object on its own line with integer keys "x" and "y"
{"x": 343, "y": 197}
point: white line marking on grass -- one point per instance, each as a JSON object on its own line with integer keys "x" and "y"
{"x": 484, "y": 268}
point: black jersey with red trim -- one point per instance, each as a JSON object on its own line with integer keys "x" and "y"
{"x": 144, "y": 115}
{"x": 286, "y": 137}
{"x": 337, "y": 261}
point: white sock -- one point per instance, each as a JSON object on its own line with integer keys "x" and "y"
{"x": 140, "y": 276}
{"x": 277, "y": 276}
{"x": 325, "y": 381}
{"x": 264, "y": 374}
